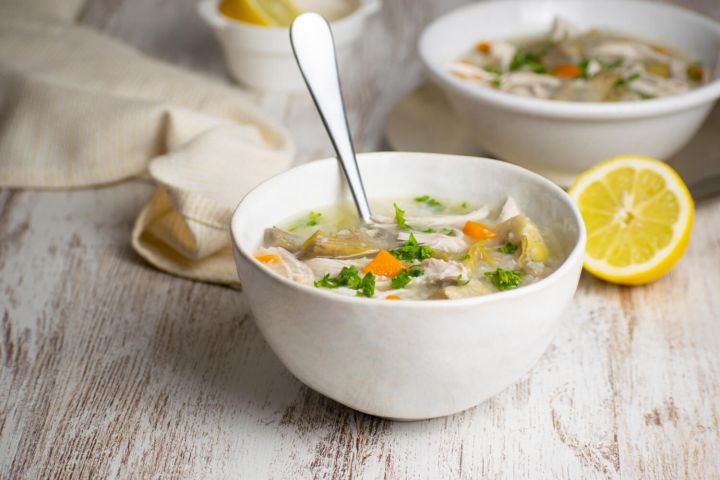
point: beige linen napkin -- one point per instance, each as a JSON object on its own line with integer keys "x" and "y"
{"x": 79, "y": 108}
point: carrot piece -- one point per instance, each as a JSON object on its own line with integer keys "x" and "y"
{"x": 392, "y": 297}
{"x": 568, "y": 71}
{"x": 267, "y": 258}
{"x": 483, "y": 47}
{"x": 384, "y": 264}
{"x": 478, "y": 231}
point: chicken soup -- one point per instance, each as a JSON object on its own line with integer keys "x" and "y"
{"x": 571, "y": 65}
{"x": 416, "y": 248}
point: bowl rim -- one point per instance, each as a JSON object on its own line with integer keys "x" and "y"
{"x": 564, "y": 109}
{"x": 574, "y": 257}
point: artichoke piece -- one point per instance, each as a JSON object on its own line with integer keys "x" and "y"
{"x": 522, "y": 232}
{"x": 661, "y": 69}
{"x": 344, "y": 244}
{"x": 477, "y": 251}
{"x": 473, "y": 288}
{"x": 593, "y": 90}
{"x": 276, "y": 237}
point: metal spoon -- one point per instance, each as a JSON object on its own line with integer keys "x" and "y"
{"x": 314, "y": 49}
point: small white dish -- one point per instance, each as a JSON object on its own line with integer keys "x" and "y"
{"x": 408, "y": 359}
{"x": 261, "y": 57}
{"x": 562, "y": 139}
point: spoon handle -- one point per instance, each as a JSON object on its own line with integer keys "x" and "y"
{"x": 314, "y": 50}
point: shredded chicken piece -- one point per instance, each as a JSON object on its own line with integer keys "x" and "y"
{"x": 468, "y": 71}
{"x": 659, "y": 87}
{"x": 439, "y": 241}
{"x": 509, "y": 210}
{"x": 288, "y": 266}
{"x": 321, "y": 265}
{"x": 437, "y": 220}
{"x": 562, "y": 29}
{"x": 440, "y": 271}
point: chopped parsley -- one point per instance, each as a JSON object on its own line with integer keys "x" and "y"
{"x": 464, "y": 205}
{"x": 504, "y": 279}
{"x": 620, "y": 82}
{"x": 367, "y": 286}
{"x": 695, "y": 72}
{"x": 508, "y": 248}
{"x": 644, "y": 96}
{"x": 429, "y": 201}
{"x": 400, "y": 218}
{"x": 410, "y": 250}
{"x": 528, "y": 60}
{"x": 584, "y": 67}
{"x": 429, "y": 230}
{"x": 404, "y": 277}
{"x": 461, "y": 282}
{"x": 464, "y": 257}
{"x": 449, "y": 232}
{"x": 310, "y": 221}
{"x": 493, "y": 69}
{"x": 348, "y": 277}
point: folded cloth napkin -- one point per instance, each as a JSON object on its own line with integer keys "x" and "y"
{"x": 79, "y": 109}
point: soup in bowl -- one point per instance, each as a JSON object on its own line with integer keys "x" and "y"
{"x": 628, "y": 97}
{"x": 431, "y": 351}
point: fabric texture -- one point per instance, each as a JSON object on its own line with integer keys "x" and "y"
{"x": 78, "y": 109}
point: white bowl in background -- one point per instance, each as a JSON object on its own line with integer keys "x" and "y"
{"x": 409, "y": 359}
{"x": 262, "y": 58}
{"x": 561, "y": 139}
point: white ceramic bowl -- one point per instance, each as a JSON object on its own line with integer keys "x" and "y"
{"x": 561, "y": 139}
{"x": 408, "y": 359}
{"x": 262, "y": 58}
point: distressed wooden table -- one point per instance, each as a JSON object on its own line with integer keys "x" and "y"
{"x": 113, "y": 369}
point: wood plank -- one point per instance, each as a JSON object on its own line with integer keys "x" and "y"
{"x": 111, "y": 369}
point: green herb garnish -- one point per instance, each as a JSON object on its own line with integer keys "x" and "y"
{"x": 464, "y": 257}
{"x": 493, "y": 69}
{"x": 449, "y": 232}
{"x": 367, "y": 286}
{"x": 350, "y": 277}
{"x": 410, "y": 250}
{"x": 429, "y": 201}
{"x": 464, "y": 205}
{"x": 461, "y": 282}
{"x": 504, "y": 279}
{"x": 404, "y": 277}
{"x": 644, "y": 96}
{"x": 695, "y": 72}
{"x": 310, "y": 221}
{"x": 400, "y": 218}
{"x": 508, "y": 248}
{"x": 528, "y": 60}
{"x": 428, "y": 230}
{"x": 620, "y": 82}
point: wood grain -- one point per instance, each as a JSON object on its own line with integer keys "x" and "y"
{"x": 111, "y": 369}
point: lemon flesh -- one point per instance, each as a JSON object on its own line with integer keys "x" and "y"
{"x": 267, "y": 13}
{"x": 638, "y": 214}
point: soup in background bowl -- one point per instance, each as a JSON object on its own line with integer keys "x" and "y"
{"x": 414, "y": 358}
{"x": 561, "y": 139}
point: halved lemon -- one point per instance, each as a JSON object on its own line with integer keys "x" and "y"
{"x": 267, "y": 13}
{"x": 638, "y": 214}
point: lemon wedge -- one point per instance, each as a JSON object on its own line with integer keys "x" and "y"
{"x": 638, "y": 214}
{"x": 267, "y": 13}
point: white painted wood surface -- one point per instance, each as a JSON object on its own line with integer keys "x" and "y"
{"x": 111, "y": 369}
